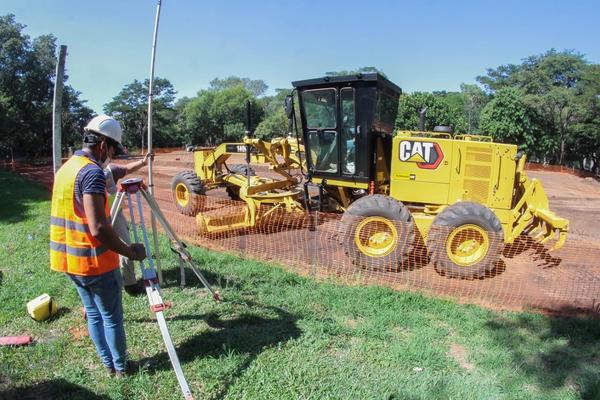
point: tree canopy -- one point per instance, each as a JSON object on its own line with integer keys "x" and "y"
{"x": 438, "y": 112}
{"x": 553, "y": 87}
{"x": 130, "y": 107}
{"x": 27, "y": 69}
{"x": 215, "y": 116}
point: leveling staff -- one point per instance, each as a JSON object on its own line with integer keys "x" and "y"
{"x": 84, "y": 245}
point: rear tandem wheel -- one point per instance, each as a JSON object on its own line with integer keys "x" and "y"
{"x": 465, "y": 240}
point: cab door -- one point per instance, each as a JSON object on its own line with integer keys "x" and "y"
{"x": 348, "y": 135}
{"x": 321, "y": 115}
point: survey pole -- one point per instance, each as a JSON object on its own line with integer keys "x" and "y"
{"x": 149, "y": 144}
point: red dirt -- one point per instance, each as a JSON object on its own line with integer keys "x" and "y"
{"x": 565, "y": 281}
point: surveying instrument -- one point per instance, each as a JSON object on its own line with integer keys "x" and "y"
{"x": 135, "y": 187}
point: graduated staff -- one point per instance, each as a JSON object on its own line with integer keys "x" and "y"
{"x": 84, "y": 245}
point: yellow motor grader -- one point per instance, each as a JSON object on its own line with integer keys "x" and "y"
{"x": 465, "y": 196}
{"x": 240, "y": 182}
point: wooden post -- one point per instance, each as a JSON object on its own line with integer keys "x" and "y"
{"x": 57, "y": 109}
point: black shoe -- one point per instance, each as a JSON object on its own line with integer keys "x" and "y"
{"x": 136, "y": 289}
{"x": 131, "y": 369}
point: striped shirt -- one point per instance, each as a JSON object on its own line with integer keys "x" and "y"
{"x": 89, "y": 180}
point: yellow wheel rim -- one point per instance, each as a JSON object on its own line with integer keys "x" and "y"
{"x": 467, "y": 245}
{"x": 376, "y": 236}
{"x": 182, "y": 195}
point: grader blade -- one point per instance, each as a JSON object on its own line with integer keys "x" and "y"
{"x": 221, "y": 222}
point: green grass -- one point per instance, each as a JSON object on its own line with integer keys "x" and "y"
{"x": 277, "y": 335}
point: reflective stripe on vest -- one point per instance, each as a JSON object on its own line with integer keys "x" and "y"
{"x": 73, "y": 249}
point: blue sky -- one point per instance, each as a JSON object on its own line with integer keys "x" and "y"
{"x": 421, "y": 45}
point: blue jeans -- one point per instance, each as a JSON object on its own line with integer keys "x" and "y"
{"x": 102, "y": 298}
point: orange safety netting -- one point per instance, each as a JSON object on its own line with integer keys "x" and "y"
{"x": 525, "y": 276}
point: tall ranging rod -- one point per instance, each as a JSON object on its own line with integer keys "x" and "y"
{"x": 249, "y": 136}
{"x": 150, "y": 99}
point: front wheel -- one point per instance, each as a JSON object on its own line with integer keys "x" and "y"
{"x": 465, "y": 240}
{"x": 378, "y": 232}
{"x": 188, "y": 192}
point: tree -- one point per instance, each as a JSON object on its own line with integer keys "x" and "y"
{"x": 130, "y": 107}
{"x": 584, "y": 143}
{"x": 256, "y": 87}
{"x": 509, "y": 120}
{"x": 474, "y": 99}
{"x": 275, "y": 123}
{"x": 27, "y": 69}
{"x": 550, "y": 83}
{"x": 438, "y": 112}
{"x": 216, "y": 116}
{"x": 75, "y": 116}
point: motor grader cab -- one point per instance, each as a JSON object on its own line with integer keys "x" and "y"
{"x": 347, "y": 128}
{"x": 464, "y": 195}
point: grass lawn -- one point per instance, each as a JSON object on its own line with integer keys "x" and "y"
{"x": 277, "y": 335}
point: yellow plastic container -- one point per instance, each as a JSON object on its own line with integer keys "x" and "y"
{"x": 42, "y": 307}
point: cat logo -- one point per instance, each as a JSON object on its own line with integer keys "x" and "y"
{"x": 427, "y": 155}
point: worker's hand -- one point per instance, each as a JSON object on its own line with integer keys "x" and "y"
{"x": 138, "y": 252}
{"x": 147, "y": 157}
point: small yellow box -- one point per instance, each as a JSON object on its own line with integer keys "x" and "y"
{"x": 42, "y": 307}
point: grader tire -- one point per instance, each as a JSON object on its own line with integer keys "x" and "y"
{"x": 233, "y": 191}
{"x": 188, "y": 192}
{"x": 378, "y": 232}
{"x": 465, "y": 241}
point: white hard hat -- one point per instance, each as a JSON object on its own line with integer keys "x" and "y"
{"x": 105, "y": 126}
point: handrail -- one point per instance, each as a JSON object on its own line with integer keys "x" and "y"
{"x": 475, "y": 138}
{"x": 443, "y": 135}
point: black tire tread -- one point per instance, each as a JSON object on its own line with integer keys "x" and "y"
{"x": 195, "y": 187}
{"x": 377, "y": 205}
{"x": 233, "y": 192}
{"x": 241, "y": 169}
{"x": 459, "y": 214}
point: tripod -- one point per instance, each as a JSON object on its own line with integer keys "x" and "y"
{"x": 135, "y": 187}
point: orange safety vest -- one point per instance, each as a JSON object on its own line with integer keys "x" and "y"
{"x": 73, "y": 249}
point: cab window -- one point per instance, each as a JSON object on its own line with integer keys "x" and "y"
{"x": 320, "y": 109}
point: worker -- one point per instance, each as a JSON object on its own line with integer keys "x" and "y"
{"x": 113, "y": 173}
{"x": 84, "y": 245}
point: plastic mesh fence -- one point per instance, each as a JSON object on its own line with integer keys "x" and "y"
{"x": 520, "y": 275}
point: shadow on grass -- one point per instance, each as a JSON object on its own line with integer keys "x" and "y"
{"x": 570, "y": 356}
{"x": 172, "y": 278}
{"x": 247, "y": 335}
{"x": 55, "y": 389}
{"x": 15, "y": 193}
